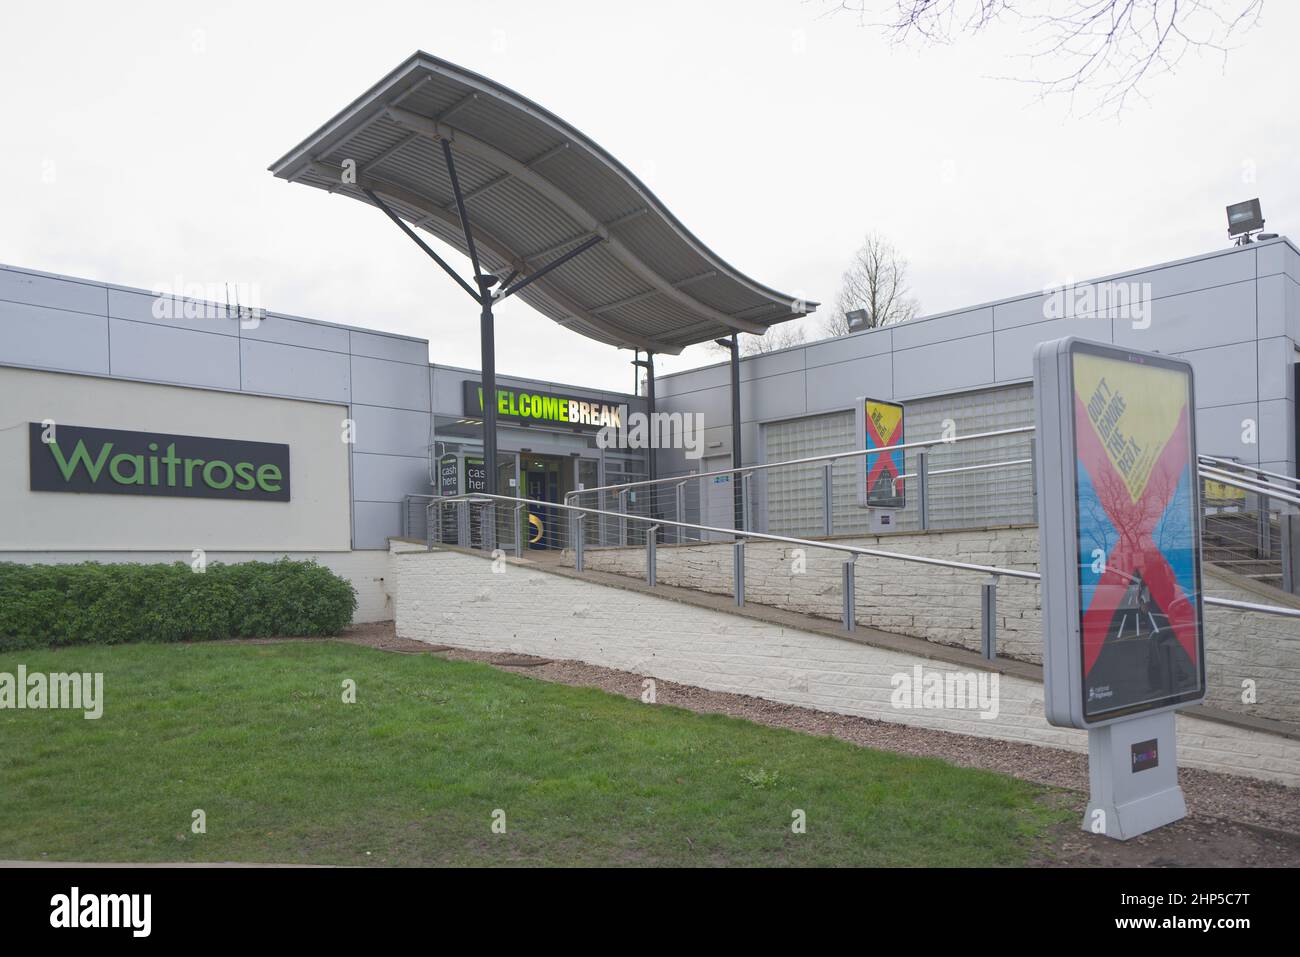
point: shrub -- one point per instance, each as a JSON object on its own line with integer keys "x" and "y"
{"x": 91, "y": 603}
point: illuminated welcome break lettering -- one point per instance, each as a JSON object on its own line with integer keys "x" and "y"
{"x": 545, "y": 407}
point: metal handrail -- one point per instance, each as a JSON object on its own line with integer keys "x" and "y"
{"x": 483, "y": 498}
{"x": 1267, "y": 490}
{"x": 968, "y": 468}
{"x": 826, "y": 457}
{"x": 1258, "y": 487}
{"x": 1291, "y": 479}
{"x": 856, "y": 550}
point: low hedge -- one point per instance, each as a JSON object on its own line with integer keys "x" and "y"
{"x": 91, "y": 603}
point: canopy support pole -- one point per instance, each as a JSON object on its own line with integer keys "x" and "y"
{"x": 485, "y": 298}
{"x": 648, "y": 363}
{"x": 733, "y": 345}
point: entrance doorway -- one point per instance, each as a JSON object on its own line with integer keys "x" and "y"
{"x": 546, "y": 478}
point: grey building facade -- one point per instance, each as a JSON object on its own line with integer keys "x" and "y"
{"x": 1233, "y": 313}
{"x": 403, "y": 410}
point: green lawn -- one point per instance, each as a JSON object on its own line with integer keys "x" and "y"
{"x": 259, "y": 738}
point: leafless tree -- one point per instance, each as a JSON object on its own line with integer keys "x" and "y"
{"x": 1097, "y": 51}
{"x": 876, "y": 281}
{"x": 781, "y": 336}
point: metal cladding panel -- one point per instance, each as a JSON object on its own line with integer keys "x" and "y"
{"x": 1230, "y": 266}
{"x": 1013, "y": 347}
{"x": 386, "y": 478}
{"x": 1277, "y": 300}
{"x": 1276, "y": 431}
{"x": 374, "y": 522}
{"x": 51, "y": 292}
{"x": 943, "y": 366}
{"x": 835, "y": 386}
{"x": 776, "y": 395}
{"x": 772, "y": 363}
{"x": 391, "y": 431}
{"x": 289, "y": 331}
{"x": 1225, "y": 375}
{"x": 1194, "y": 320}
{"x": 1219, "y": 430}
{"x": 1276, "y": 368}
{"x": 396, "y": 348}
{"x": 294, "y": 371}
{"x": 871, "y": 343}
{"x": 198, "y": 316}
{"x": 397, "y": 385}
{"x": 943, "y": 328}
{"x": 142, "y": 350}
{"x": 53, "y": 338}
{"x": 1020, "y": 312}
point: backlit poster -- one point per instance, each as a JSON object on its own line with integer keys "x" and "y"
{"x": 884, "y": 428}
{"x": 1135, "y": 491}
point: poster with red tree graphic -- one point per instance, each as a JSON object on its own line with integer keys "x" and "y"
{"x": 1139, "y": 575}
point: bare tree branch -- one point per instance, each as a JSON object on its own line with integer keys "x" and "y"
{"x": 1100, "y": 51}
{"x": 779, "y": 337}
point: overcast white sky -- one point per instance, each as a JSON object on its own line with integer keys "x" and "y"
{"x": 134, "y": 140}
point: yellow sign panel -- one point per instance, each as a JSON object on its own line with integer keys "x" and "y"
{"x": 1220, "y": 492}
{"x": 886, "y": 417}
{"x": 1134, "y": 409}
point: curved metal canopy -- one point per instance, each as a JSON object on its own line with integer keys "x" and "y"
{"x": 535, "y": 188}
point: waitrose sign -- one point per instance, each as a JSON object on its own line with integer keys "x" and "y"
{"x": 544, "y": 407}
{"x": 70, "y": 458}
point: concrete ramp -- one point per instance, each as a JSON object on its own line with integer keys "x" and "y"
{"x": 470, "y": 600}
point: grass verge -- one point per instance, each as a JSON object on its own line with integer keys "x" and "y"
{"x": 258, "y": 737}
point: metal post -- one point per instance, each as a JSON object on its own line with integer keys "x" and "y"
{"x": 650, "y": 555}
{"x": 487, "y": 345}
{"x": 989, "y": 619}
{"x": 650, "y": 408}
{"x": 746, "y": 499}
{"x": 622, "y": 522}
{"x": 1265, "y": 528}
{"x": 739, "y": 552}
{"x": 923, "y": 488}
{"x": 578, "y": 545}
{"x": 701, "y": 491}
{"x": 681, "y": 510}
{"x": 519, "y": 533}
{"x": 462, "y": 524}
{"x": 571, "y": 520}
{"x": 850, "y": 596}
{"x": 737, "y": 458}
{"x": 1286, "y": 525}
{"x": 828, "y": 500}
{"x": 1033, "y": 477}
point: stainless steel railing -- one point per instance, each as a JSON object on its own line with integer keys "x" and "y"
{"x": 683, "y": 497}
{"x": 489, "y": 505}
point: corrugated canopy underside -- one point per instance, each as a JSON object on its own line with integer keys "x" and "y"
{"x": 534, "y": 187}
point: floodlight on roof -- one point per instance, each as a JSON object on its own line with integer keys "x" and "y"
{"x": 1244, "y": 219}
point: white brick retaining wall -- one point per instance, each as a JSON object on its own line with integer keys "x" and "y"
{"x": 447, "y": 597}
{"x": 943, "y": 605}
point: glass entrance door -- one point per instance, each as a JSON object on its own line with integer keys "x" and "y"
{"x": 542, "y": 483}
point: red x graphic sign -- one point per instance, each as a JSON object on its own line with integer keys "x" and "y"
{"x": 1136, "y": 552}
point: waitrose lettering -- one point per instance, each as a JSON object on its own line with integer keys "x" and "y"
{"x": 67, "y": 458}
